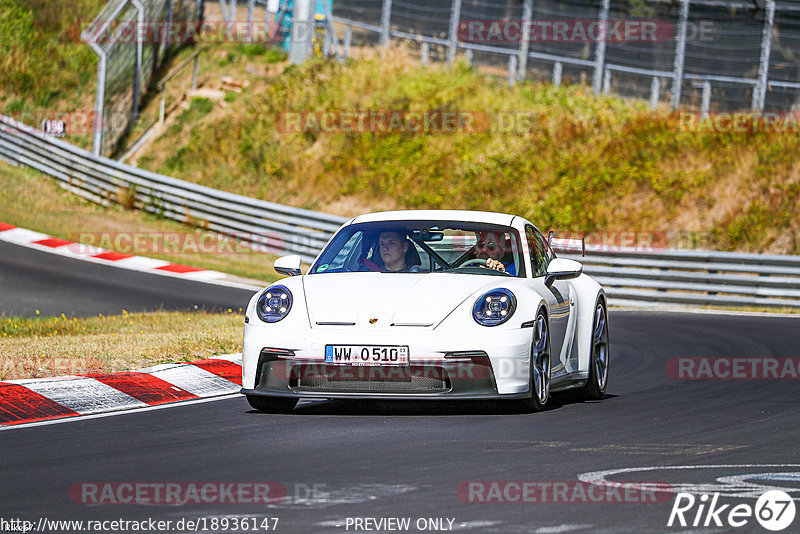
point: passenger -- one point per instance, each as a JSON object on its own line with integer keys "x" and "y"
{"x": 393, "y": 248}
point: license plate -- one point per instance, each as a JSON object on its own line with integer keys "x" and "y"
{"x": 366, "y": 354}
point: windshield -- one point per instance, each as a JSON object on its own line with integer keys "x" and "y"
{"x": 423, "y": 247}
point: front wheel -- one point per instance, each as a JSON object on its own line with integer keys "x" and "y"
{"x": 540, "y": 365}
{"x": 595, "y": 387}
{"x": 272, "y": 404}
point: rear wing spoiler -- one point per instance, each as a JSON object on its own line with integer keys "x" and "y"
{"x": 566, "y": 245}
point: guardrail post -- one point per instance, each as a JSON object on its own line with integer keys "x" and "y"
{"x": 452, "y": 36}
{"x": 680, "y": 51}
{"x": 606, "y": 81}
{"x": 760, "y": 90}
{"x": 557, "y": 67}
{"x": 600, "y": 49}
{"x": 524, "y": 46}
{"x": 655, "y": 91}
{"x": 386, "y": 17}
{"x": 424, "y": 53}
{"x": 468, "y": 56}
{"x": 512, "y": 70}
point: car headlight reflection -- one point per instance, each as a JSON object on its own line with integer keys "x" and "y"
{"x": 274, "y": 304}
{"x": 494, "y": 307}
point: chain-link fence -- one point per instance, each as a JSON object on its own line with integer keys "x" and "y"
{"x": 132, "y": 38}
{"x": 710, "y": 55}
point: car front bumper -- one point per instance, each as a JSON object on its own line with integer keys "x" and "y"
{"x": 475, "y": 364}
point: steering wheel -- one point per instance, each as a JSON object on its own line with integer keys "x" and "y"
{"x": 474, "y": 261}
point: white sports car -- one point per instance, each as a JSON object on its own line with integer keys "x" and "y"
{"x": 427, "y": 305}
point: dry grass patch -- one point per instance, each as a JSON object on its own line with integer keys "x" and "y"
{"x": 56, "y": 346}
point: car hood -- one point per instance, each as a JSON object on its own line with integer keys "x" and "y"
{"x": 392, "y": 300}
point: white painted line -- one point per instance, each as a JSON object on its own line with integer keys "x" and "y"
{"x": 85, "y": 395}
{"x": 140, "y": 263}
{"x": 5, "y": 428}
{"x": 22, "y": 236}
{"x": 196, "y": 380}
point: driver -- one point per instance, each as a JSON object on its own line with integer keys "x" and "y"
{"x": 491, "y": 246}
{"x": 393, "y": 246}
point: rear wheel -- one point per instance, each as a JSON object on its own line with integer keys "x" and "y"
{"x": 540, "y": 365}
{"x": 595, "y": 386}
{"x": 272, "y": 404}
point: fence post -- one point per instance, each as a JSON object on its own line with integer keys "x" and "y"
{"x": 680, "y": 50}
{"x": 251, "y": 7}
{"x": 760, "y": 91}
{"x": 100, "y": 99}
{"x": 386, "y": 17}
{"x": 300, "y": 43}
{"x": 606, "y": 81}
{"x": 524, "y": 46}
{"x": 455, "y": 20}
{"x": 162, "y": 108}
{"x": 705, "y": 105}
{"x": 512, "y": 70}
{"x": 137, "y": 73}
{"x": 655, "y": 91}
{"x": 600, "y": 50}
{"x": 194, "y": 71}
{"x": 424, "y": 53}
{"x": 557, "y": 67}
{"x": 348, "y": 38}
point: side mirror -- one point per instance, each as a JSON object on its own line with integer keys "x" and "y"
{"x": 562, "y": 269}
{"x": 288, "y": 265}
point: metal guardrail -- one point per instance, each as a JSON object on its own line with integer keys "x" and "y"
{"x": 631, "y": 277}
{"x": 265, "y": 225}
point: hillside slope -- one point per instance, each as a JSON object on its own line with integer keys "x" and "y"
{"x": 557, "y": 155}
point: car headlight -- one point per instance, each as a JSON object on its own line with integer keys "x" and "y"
{"x": 274, "y": 304}
{"x": 494, "y": 307}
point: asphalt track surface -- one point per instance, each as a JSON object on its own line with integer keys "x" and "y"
{"x": 33, "y": 280}
{"x": 407, "y": 459}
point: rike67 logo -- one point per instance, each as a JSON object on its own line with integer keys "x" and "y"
{"x": 774, "y": 510}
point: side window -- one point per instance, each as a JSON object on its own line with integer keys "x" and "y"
{"x": 540, "y": 251}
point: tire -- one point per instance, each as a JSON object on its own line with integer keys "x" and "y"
{"x": 272, "y": 404}
{"x": 540, "y": 365}
{"x": 599, "y": 357}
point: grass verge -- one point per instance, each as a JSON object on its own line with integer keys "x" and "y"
{"x": 56, "y": 346}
